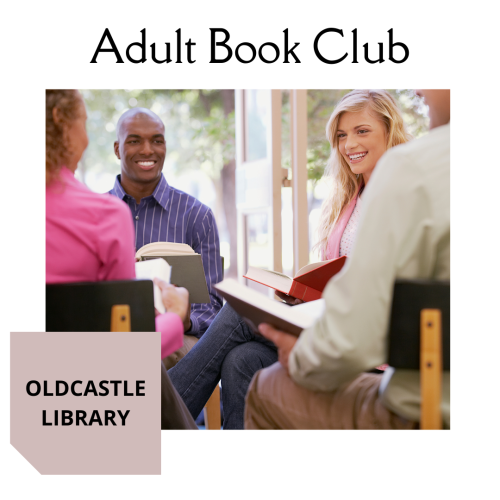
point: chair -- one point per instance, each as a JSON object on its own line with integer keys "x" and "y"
{"x": 419, "y": 339}
{"x": 116, "y": 306}
{"x": 126, "y": 305}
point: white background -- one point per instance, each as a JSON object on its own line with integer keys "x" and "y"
{"x": 50, "y": 44}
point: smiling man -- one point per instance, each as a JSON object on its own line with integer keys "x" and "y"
{"x": 163, "y": 213}
{"x": 141, "y": 148}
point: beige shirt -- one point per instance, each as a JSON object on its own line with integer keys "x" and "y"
{"x": 404, "y": 232}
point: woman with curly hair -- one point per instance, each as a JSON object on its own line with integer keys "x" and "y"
{"x": 364, "y": 124}
{"x": 90, "y": 236}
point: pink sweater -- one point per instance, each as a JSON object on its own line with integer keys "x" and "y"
{"x": 90, "y": 237}
{"x": 333, "y": 247}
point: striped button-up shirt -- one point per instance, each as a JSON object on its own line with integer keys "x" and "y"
{"x": 172, "y": 215}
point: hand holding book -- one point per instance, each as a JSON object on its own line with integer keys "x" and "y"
{"x": 176, "y": 300}
{"x": 291, "y": 301}
{"x": 156, "y": 268}
{"x": 306, "y": 285}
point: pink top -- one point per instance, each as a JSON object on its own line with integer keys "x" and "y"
{"x": 172, "y": 332}
{"x": 333, "y": 247}
{"x": 90, "y": 237}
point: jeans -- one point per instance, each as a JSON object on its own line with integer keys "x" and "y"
{"x": 228, "y": 351}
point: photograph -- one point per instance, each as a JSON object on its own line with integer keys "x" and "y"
{"x": 221, "y": 184}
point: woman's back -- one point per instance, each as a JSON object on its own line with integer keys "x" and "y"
{"x": 89, "y": 236}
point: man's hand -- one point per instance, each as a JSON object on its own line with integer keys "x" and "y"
{"x": 176, "y": 300}
{"x": 282, "y": 340}
{"x": 292, "y": 301}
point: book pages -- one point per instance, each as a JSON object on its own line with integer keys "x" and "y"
{"x": 155, "y": 268}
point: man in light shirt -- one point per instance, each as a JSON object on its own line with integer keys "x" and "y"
{"x": 320, "y": 381}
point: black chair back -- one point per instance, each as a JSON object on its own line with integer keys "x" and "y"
{"x": 86, "y": 307}
{"x": 409, "y": 298}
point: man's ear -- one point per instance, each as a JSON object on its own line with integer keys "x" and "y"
{"x": 117, "y": 149}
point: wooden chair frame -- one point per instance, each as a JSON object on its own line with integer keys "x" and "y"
{"x": 419, "y": 339}
{"x": 431, "y": 369}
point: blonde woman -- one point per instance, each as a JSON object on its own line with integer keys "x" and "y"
{"x": 363, "y": 126}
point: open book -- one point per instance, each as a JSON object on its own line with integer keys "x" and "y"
{"x": 154, "y": 268}
{"x": 256, "y": 308}
{"x": 307, "y": 284}
{"x": 186, "y": 264}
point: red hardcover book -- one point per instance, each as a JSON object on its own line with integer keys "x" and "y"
{"x": 308, "y": 284}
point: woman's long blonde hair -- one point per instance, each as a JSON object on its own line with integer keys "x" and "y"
{"x": 344, "y": 184}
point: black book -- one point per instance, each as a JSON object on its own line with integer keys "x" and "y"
{"x": 187, "y": 267}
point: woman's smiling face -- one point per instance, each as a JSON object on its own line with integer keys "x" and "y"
{"x": 361, "y": 141}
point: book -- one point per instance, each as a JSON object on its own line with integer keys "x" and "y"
{"x": 256, "y": 308}
{"x": 187, "y": 267}
{"x": 154, "y": 268}
{"x": 308, "y": 284}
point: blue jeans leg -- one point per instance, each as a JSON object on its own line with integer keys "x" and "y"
{"x": 238, "y": 368}
{"x": 196, "y": 375}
